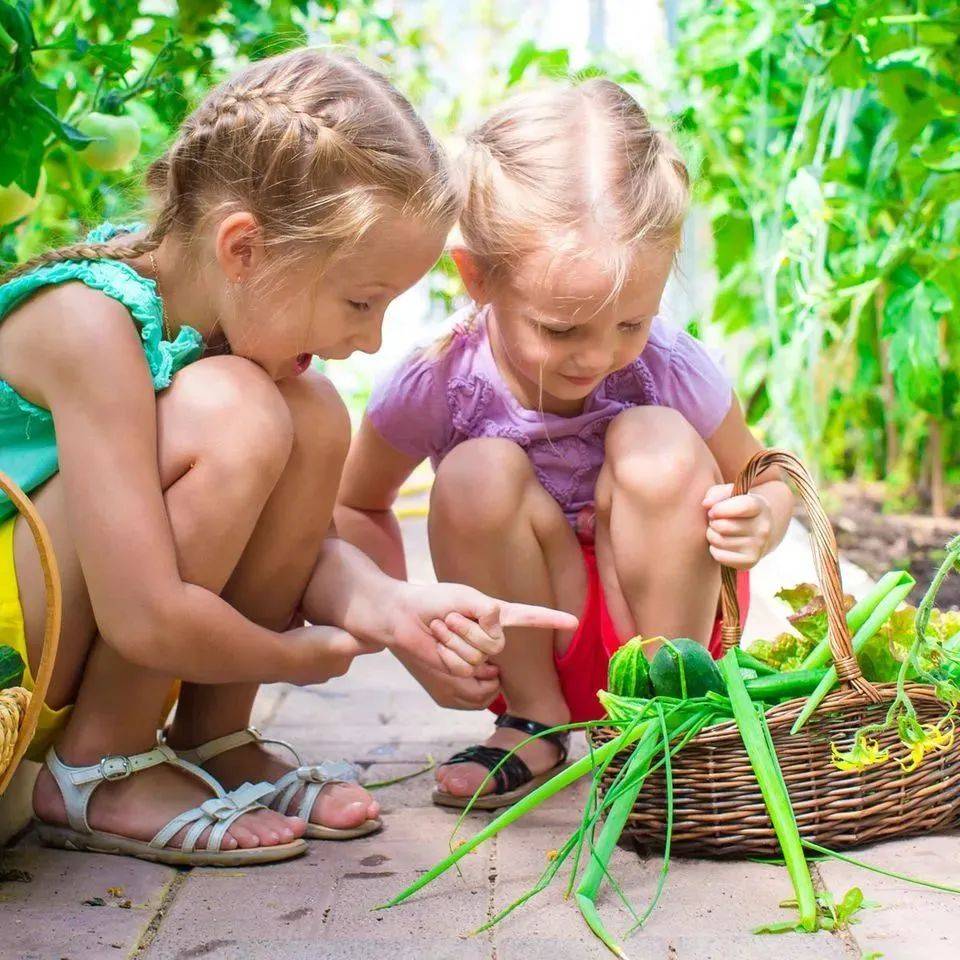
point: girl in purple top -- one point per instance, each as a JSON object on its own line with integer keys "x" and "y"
{"x": 584, "y": 448}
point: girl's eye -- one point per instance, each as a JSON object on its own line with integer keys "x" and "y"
{"x": 361, "y": 307}
{"x": 558, "y": 334}
{"x": 631, "y": 327}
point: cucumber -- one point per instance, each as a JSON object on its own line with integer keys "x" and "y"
{"x": 11, "y": 668}
{"x": 629, "y": 672}
{"x": 683, "y": 668}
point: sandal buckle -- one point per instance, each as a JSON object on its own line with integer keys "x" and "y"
{"x": 115, "y": 767}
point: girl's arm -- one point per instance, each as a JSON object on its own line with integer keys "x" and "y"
{"x": 372, "y": 477}
{"x": 448, "y": 627}
{"x": 373, "y": 474}
{"x": 87, "y": 366}
{"x": 741, "y": 530}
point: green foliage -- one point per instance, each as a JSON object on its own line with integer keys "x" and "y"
{"x": 11, "y": 668}
{"x": 833, "y": 915}
{"x": 829, "y": 149}
{"x": 63, "y": 60}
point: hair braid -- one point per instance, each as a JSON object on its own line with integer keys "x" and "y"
{"x": 312, "y": 143}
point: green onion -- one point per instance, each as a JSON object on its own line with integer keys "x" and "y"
{"x": 868, "y": 628}
{"x": 749, "y": 661}
{"x": 826, "y": 852}
{"x": 784, "y": 686}
{"x": 590, "y": 815}
{"x": 860, "y": 613}
{"x": 596, "y": 869}
{"x": 775, "y": 796}
{"x": 620, "y": 800}
{"x": 533, "y": 799}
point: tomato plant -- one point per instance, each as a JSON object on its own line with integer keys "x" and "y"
{"x": 829, "y": 152}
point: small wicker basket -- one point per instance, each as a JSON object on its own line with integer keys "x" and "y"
{"x": 718, "y": 808}
{"x": 19, "y": 708}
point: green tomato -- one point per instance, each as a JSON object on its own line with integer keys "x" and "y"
{"x": 16, "y": 203}
{"x": 116, "y": 141}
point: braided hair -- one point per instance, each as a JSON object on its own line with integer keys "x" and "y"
{"x": 313, "y": 143}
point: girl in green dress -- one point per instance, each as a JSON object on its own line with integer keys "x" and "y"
{"x": 157, "y": 402}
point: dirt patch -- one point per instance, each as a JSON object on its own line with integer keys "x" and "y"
{"x": 879, "y": 541}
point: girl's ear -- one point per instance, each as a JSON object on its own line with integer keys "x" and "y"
{"x": 472, "y": 274}
{"x": 239, "y": 245}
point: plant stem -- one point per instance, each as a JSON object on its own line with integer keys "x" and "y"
{"x": 892, "y": 452}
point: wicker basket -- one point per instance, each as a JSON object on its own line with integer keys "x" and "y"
{"x": 20, "y": 709}
{"x": 718, "y": 808}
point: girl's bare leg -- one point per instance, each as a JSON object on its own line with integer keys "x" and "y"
{"x": 657, "y": 573}
{"x": 267, "y": 586}
{"x": 224, "y": 439}
{"x": 493, "y": 526}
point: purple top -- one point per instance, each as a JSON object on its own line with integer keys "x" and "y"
{"x": 429, "y": 404}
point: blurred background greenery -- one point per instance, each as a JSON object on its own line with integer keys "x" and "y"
{"x": 822, "y": 254}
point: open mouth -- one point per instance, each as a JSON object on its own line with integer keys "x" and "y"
{"x": 301, "y": 363}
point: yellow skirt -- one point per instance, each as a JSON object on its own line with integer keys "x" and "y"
{"x": 12, "y": 634}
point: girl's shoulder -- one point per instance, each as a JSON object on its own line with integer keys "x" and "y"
{"x": 411, "y": 406}
{"x": 686, "y": 375}
{"x": 457, "y": 353}
{"x": 96, "y": 289}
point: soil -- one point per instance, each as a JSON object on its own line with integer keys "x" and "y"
{"x": 879, "y": 541}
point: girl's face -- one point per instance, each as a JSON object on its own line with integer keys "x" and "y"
{"x": 330, "y": 310}
{"x": 557, "y": 332}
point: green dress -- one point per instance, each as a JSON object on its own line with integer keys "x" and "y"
{"x": 28, "y": 444}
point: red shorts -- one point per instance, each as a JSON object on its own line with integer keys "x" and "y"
{"x": 583, "y": 666}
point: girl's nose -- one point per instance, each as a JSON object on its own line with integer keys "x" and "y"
{"x": 593, "y": 360}
{"x": 370, "y": 340}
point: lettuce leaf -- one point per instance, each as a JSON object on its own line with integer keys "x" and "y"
{"x": 786, "y": 652}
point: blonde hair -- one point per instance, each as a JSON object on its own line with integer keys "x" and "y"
{"x": 313, "y": 143}
{"x": 577, "y": 169}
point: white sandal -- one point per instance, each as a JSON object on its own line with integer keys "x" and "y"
{"x": 77, "y": 785}
{"x": 310, "y": 778}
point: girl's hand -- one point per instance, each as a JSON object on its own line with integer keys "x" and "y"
{"x": 458, "y": 693}
{"x": 739, "y": 529}
{"x": 455, "y": 629}
{"x": 333, "y": 651}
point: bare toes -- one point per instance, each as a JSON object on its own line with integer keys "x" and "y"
{"x": 246, "y": 840}
{"x": 342, "y": 806}
{"x": 297, "y": 827}
{"x": 264, "y": 825}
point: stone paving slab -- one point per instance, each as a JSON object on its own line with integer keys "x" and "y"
{"x": 910, "y": 922}
{"x": 232, "y": 907}
{"x": 47, "y": 917}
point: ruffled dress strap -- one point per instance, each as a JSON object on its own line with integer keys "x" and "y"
{"x": 121, "y": 282}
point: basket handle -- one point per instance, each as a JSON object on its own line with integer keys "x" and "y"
{"x": 825, "y": 558}
{"x": 51, "y": 632}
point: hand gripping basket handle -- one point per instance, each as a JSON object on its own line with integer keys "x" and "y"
{"x": 51, "y": 633}
{"x": 826, "y": 561}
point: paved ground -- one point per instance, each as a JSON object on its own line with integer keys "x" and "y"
{"x": 319, "y": 906}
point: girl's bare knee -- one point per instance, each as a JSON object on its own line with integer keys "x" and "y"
{"x": 226, "y": 410}
{"x": 320, "y": 421}
{"x": 655, "y": 454}
{"x": 480, "y": 485}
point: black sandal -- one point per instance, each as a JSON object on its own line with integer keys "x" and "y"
{"x": 514, "y": 779}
